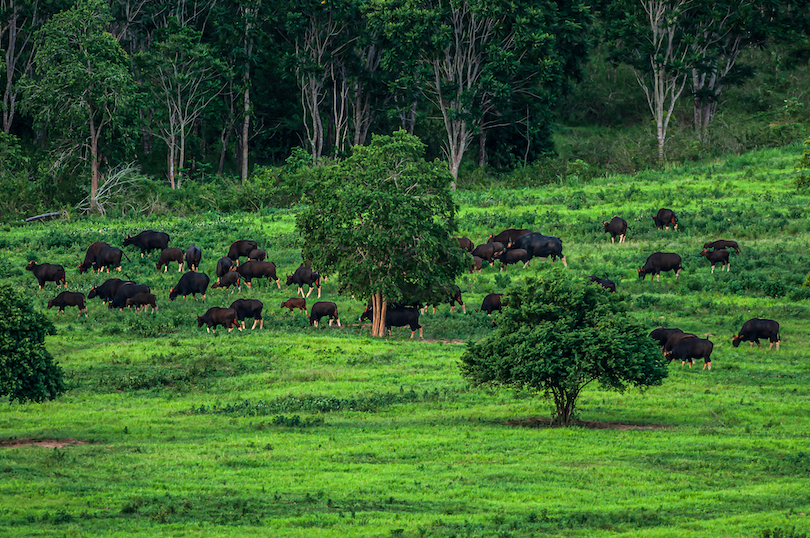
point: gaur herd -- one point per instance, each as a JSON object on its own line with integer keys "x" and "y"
{"x": 508, "y": 247}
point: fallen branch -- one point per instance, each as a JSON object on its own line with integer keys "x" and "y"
{"x": 44, "y": 216}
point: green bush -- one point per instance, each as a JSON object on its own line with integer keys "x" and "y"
{"x": 28, "y": 372}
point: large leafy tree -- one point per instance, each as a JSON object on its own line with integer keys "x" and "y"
{"x": 82, "y": 87}
{"x": 28, "y": 372}
{"x": 558, "y": 335}
{"x": 382, "y": 220}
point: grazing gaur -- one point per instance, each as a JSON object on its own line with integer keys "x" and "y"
{"x": 690, "y": 348}
{"x": 106, "y": 292}
{"x": 492, "y": 303}
{"x": 723, "y": 243}
{"x": 242, "y": 247}
{"x": 673, "y": 340}
{"x": 605, "y": 283}
{"x": 249, "y": 308}
{"x": 661, "y": 261}
{"x": 450, "y": 294}
{"x": 142, "y": 301}
{"x": 465, "y": 243}
{"x": 108, "y": 257}
{"x": 224, "y": 265}
{"x": 715, "y": 256}
{"x": 476, "y": 264}
{"x": 661, "y": 335}
{"x": 756, "y": 328}
{"x": 250, "y": 270}
{"x": 397, "y": 317}
{"x": 90, "y": 255}
{"x": 193, "y": 257}
{"x": 541, "y": 246}
{"x": 616, "y": 226}
{"x": 515, "y": 255}
{"x": 190, "y": 283}
{"x": 305, "y": 275}
{"x": 228, "y": 280}
{"x": 148, "y": 240}
{"x": 486, "y": 251}
{"x": 664, "y": 218}
{"x": 126, "y": 291}
{"x": 257, "y": 255}
{"x": 508, "y": 236}
{"x": 218, "y": 316}
{"x": 296, "y": 302}
{"x": 321, "y": 309}
{"x": 47, "y": 272}
{"x": 69, "y": 298}
{"x": 170, "y": 255}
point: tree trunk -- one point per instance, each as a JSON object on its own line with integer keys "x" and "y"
{"x": 482, "y": 147}
{"x": 245, "y": 127}
{"x": 94, "y": 136}
{"x": 170, "y": 160}
{"x": 379, "y": 309}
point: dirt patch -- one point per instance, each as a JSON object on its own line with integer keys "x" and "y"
{"x": 44, "y": 442}
{"x": 542, "y": 422}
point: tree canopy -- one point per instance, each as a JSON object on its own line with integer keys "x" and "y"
{"x": 557, "y": 335}
{"x": 382, "y": 219}
{"x": 28, "y": 372}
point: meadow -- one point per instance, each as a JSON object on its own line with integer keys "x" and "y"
{"x": 294, "y": 431}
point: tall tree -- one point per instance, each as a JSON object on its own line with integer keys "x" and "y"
{"x": 17, "y": 25}
{"x": 382, "y": 220}
{"x": 481, "y": 55}
{"x": 317, "y": 33}
{"x": 81, "y": 83}
{"x": 648, "y": 36}
{"x": 721, "y": 31}
{"x": 184, "y": 77}
{"x": 557, "y": 335}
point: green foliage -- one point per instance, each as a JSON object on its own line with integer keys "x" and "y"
{"x": 83, "y": 86}
{"x": 28, "y": 371}
{"x": 382, "y": 219}
{"x": 557, "y": 335}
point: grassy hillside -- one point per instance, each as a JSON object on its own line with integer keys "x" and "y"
{"x": 294, "y": 431}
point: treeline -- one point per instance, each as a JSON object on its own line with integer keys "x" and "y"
{"x": 94, "y": 92}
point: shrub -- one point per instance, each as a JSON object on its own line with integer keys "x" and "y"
{"x": 28, "y": 371}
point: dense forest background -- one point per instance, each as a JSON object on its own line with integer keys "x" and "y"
{"x": 178, "y": 106}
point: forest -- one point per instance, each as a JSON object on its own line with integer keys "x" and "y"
{"x": 159, "y": 106}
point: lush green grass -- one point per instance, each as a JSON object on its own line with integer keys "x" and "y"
{"x": 294, "y": 431}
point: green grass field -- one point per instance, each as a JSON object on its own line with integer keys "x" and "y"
{"x": 295, "y": 431}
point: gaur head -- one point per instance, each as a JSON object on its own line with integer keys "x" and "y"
{"x": 30, "y": 266}
{"x": 50, "y": 304}
{"x": 200, "y": 321}
{"x": 735, "y": 340}
{"x": 172, "y": 294}
{"x": 93, "y": 292}
{"x": 704, "y": 252}
{"x": 642, "y": 274}
{"x": 289, "y": 280}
